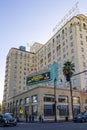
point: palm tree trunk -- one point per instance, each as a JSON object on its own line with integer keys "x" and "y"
{"x": 71, "y": 98}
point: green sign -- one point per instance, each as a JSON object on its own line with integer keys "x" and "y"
{"x": 38, "y": 78}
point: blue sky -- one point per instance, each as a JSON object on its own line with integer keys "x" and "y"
{"x": 27, "y": 21}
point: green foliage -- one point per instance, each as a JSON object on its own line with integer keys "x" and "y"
{"x": 68, "y": 69}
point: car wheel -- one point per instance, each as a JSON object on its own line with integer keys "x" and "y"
{"x": 2, "y": 124}
{"x": 15, "y": 124}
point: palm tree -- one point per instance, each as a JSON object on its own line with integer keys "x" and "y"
{"x": 68, "y": 70}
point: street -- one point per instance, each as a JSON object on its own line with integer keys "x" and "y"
{"x": 48, "y": 126}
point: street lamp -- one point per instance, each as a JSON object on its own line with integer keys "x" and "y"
{"x": 55, "y": 80}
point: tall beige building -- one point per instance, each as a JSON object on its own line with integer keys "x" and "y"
{"x": 69, "y": 43}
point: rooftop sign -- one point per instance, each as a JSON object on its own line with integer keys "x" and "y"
{"x": 73, "y": 12}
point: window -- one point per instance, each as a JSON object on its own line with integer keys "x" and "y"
{"x": 63, "y": 110}
{"x": 63, "y": 99}
{"x": 80, "y": 35}
{"x": 76, "y": 100}
{"x": 72, "y": 51}
{"x": 58, "y": 41}
{"x": 34, "y": 99}
{"x": 49, "y": 109}
{"x": 53, "y": 40}
{"x": 62, "y": 37}
{"x": 71, "y": 37}
{"x": 63, "y": 43}
{"x": 80, "y": 29}
{"x": 86, "y": 101}
{"x": 27, "y": 100}
{"x": 21, "y": 101}
{"x": 74, "y": 81}
{"x": 53, "y": 56}
{"x": 86, "y": 38}
{"x": 71, "y": 44}
{"x": 20, "y": 53}
{"x": 84, "y": 25}
{"x": 82, "y": 49}
{"x": 49, "y": 54}
{"x": 64, "y": 56}
{"x": 84, "y": 64}
{"x": 70, "y": 30}
{"x": 85, "y": 80}
{"x": 48, "y": 98}
{"x": 76, "y": 109}
{"x": 63, "y": 31}
{"x": 15, "y": 67}
{"x": 34, "y": 110}
{"x": 53, "y": 51}
{"x": 17, "y": 103}
{"x": 81, "y": 42}
{"x": 63, "y": 49}
{"x": 73, "y": 58}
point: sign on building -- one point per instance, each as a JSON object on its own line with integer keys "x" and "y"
{"x": 43, "y": 76}
{"x": 38, "y": 78}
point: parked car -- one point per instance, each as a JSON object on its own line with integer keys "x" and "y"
{"x": 7, "y": 120}
{"x": 17, "y": 117}
{"x": 82, "y": 117}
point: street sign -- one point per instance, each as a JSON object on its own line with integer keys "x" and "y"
{"x": 21, "y": 111}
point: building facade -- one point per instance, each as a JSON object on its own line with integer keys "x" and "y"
{"x": 69, "y": 43}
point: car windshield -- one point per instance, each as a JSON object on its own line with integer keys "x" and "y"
{"x": 80, "y": 114}
{"x": 7, "y": 116}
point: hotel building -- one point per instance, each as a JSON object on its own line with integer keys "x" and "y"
{"x": 68, "y": 43}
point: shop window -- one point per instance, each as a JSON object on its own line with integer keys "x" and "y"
{"x": 63, "y": 110}
{"x": 49, "y": 110}
{"x": 76, "y": 110}
{"x": 34, "y": 110}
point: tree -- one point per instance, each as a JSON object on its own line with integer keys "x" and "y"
{"x": 68, "y": 70}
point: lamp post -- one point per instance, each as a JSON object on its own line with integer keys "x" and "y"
{"x": 55, "y": 80}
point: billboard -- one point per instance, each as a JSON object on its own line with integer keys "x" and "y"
{"x": 38, "y": 78}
